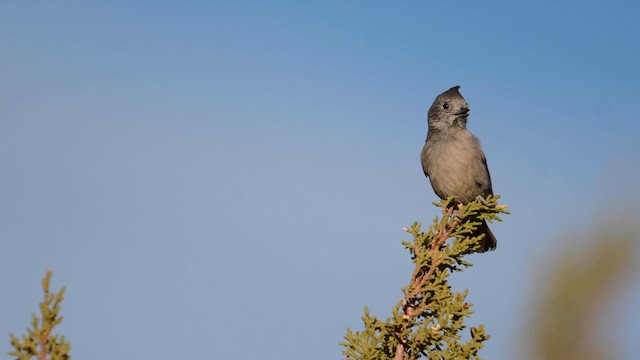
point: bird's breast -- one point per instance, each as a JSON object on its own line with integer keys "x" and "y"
{"x": 455, "y": 167}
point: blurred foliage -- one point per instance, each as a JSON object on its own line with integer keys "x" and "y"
{"x": 428, "y": 321}
{"x": 572, "y": 317}
{"x": 39, "y": 341}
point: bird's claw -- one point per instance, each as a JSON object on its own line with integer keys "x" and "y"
{"x": 482, "y": 200}
{"x": 455, "y": 213}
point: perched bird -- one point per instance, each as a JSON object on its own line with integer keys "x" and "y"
{"x": 452, "y": 157}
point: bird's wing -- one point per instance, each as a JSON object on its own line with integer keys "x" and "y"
{"x": 424, "y": 160}
{"x": 486, "y": 167}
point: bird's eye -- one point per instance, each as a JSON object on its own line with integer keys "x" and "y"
{"x": 445, "y": 106}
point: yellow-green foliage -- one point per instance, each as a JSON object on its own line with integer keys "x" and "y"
{"x": 428, "y": 320}
{"x": 39, "y": 341}
{"x": 573, "y": 313}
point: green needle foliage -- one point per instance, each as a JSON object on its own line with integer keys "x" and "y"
{"x": 39, "y": 341}
{"x": 428, "y": 320}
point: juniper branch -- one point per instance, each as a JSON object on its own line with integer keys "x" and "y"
{"x": 428, "y": 319}
{"x": 39, "y": 340}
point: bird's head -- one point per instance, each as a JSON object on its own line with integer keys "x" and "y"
{"x": 449, "y": 110}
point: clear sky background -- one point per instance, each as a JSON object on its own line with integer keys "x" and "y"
{"x": 229, "y": 180}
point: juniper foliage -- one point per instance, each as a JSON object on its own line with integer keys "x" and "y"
{"x": 39, "y": 342}
{"x": 428, "y": 321}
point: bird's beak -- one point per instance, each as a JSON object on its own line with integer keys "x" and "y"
{"x": 464, "y": 112}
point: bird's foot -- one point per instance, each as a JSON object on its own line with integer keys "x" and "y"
{"x": 482, "y": 199}
{"x": 456, "y": 212}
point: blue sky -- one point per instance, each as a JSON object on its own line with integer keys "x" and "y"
{"x": 230, "y": 179}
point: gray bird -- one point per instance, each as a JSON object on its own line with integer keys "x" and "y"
{"x": 452, "y": 157}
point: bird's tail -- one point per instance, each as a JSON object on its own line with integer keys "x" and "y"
{"x": 488, "y": 242}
